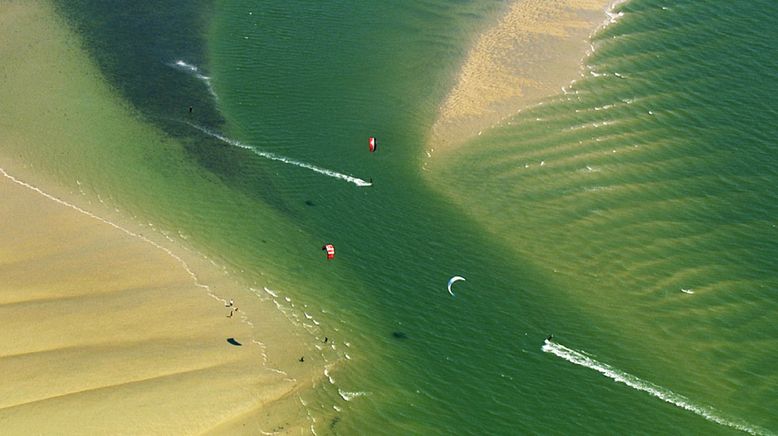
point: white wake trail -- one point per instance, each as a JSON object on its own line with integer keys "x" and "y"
{"x": 193, "y": 70}
{"x": 634, "y": 382}
{"x": 272, "y": 156}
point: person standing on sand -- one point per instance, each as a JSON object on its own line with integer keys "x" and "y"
{"x": 232, "y": 311}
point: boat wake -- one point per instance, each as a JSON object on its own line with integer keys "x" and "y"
{"x": 634, "y": 382}
{"x": 272, "y": 156}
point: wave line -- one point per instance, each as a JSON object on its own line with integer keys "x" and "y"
{"x": 634, "y": 382}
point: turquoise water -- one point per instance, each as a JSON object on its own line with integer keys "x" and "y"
{"x": 584, "y": 217}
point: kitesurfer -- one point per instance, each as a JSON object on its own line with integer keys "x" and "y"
{"x": 550, "y": 338}
{"x": 190, "y": 109}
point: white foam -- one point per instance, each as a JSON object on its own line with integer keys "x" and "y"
{"x": 272, "y": 156}
{"x": 664, "y": 394}
{"x": 348, "y": 396}
{"x": 612, "y": 15}
{"x": 327, "y": 374}
{"x": 194, "y": 71}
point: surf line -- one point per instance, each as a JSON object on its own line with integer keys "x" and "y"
{"x": 272, "y": 156}
{"x": 634, "y": 382}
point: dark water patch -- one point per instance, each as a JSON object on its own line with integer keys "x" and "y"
{"x": 136, "y": 46}
{"x": 154, "y": 54}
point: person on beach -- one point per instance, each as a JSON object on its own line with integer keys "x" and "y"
{"x": 232, "y": 311}
{"x": 230, "y": 304}
{"x": 326, "y": 339}
{"x": 302, "y": 358}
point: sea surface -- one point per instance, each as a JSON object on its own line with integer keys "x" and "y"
{"x": 633, "y": 215}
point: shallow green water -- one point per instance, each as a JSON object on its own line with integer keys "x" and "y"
{"x": 584, "y": 217}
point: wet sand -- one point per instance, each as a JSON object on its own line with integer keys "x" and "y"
{"x": 104, "y": 332}
{"x": 534, "y": 50}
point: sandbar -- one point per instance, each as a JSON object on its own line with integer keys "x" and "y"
{"x": 535, "y": 48}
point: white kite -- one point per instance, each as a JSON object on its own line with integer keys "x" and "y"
{"x": 451, "y": 282}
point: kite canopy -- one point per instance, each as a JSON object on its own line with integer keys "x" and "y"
{"x": 330, "y": 249}
{"x": 372, "y": 144}
{"x": 453, "y": 280}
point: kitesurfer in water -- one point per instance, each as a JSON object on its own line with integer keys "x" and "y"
{"x": 190, "y": 109}
{"x": 550, "y": 338}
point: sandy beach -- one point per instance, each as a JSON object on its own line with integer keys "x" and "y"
{"x": 534, "y": 50}
{"x": 103, "y": 333}
{"x": 105, "y": 330}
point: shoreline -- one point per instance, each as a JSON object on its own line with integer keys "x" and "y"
{"x": 102, "y": 293}
{"x": 110, "y": 324}
{"x": 532, "y": 51}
